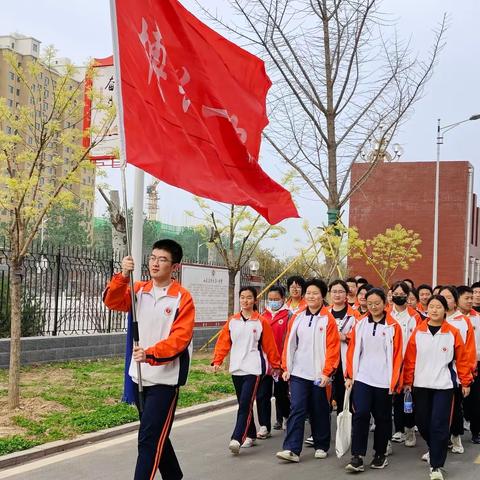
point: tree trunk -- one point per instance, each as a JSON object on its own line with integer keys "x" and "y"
{"x": 231, "y": 290}
{"x": 15, "y": 332}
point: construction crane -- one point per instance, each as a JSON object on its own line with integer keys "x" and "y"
{"x": 153, "y": 199}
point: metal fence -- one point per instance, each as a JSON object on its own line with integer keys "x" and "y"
{"x": 62, "y": 291}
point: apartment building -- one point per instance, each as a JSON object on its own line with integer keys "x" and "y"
{"x": 27, "y": 49}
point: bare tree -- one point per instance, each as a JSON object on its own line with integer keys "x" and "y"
{"x": 236, "y": 234}
{"x": 341, "y": 77}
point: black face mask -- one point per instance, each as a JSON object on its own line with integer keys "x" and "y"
{"x": 399, "y": 300}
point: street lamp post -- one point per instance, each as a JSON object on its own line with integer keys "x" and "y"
{"x": 440, "y": 133}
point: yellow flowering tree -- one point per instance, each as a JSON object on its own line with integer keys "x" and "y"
{"x": 41, "y": 159}
{"x": 386, "y": 253}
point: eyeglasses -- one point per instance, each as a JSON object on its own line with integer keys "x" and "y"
{"x": 153, "y": 259}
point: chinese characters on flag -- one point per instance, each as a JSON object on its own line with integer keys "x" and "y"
{"x": 194, "y": 107}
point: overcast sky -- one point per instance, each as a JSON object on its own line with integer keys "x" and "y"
{"x": 80, "y": 29}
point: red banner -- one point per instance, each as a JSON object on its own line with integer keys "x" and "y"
{"x": 194, "y": 107}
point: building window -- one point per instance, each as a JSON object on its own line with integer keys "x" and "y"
{"x": 10, "y": 102}
{"x": 18, "y": 92}
{"x": 34, "y": 87}
{"x": 9, "y": 130}
{"x": 12, "y": 76}
{"x": 35, "y": 47}
{"x": 30, "y": 140}
{"x": 32, "y": 100}
{"x": 45, "y": 94}
{"x": 45, "y": 106}
{"x": 46, "y": 81}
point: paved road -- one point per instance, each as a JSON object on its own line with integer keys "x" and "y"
{"x": 201, "y": 444}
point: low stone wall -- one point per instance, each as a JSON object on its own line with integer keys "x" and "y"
{"x": 80, "y": 347}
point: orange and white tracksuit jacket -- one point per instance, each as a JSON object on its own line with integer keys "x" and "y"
{"x": 249, "y": 342}
{"x": 301, "y": 305}
{"x": 474, "y": 317}
{"x": 165, "y": 328}
{"x": 465, "y": 327}
{"x": 392, "y": 350}
{"x": 345, "y": 326}
{"x": 434, "y": 361}
{"x": 325, "y": 355}
{"x": 408, "y": 320}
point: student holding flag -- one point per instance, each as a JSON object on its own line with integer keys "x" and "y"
{"x": 166, "y": 317}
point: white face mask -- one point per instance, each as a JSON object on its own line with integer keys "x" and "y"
{"x": 275, "y": 304}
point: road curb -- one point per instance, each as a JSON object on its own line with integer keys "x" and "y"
{"x": 51, "y": 448}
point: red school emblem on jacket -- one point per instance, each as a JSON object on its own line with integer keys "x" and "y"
{"x": 168, "y": 311}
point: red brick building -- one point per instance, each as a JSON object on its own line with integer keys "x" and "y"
{"x": 404, "y": 192}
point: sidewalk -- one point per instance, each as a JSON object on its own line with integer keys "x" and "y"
{"x": 46, "y": 449}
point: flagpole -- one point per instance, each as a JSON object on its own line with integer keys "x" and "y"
{"x": 123, "y": 159}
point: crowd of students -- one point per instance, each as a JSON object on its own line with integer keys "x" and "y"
{"x": 308, "y": 349}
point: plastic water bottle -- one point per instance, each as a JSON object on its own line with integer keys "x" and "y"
{"x": 408, "y": 402}
{"x": 317, "y": 382}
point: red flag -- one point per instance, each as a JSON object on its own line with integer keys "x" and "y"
{"x": 194, "y": 107}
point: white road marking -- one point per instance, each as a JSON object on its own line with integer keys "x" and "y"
{"x": 76, "y": 452}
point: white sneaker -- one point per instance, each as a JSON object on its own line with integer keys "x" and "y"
{"x": 389, "y": 449}
{"x": 309, "y": 441}
{"x": 457, "y": 444}
{"x": 234, "y": 447}
{"x": 284, "y": 424}
{"x": 398, "y": 437}
{"x": 372, "y": 427}
{"x": 249, "y": 442}
{"x": 320, "y": 453}
{"x": 288, "y": 455}
{"x": 466, "y": 425}
{"x": 410, "y": 437}
{"x": 426, "y": 457}
{"x": 436, "y": 474}
{"x": 263, "y": 433}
